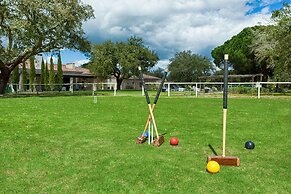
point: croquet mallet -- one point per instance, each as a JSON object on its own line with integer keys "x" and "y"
{"x": 159, "y": 140}
{"x": 141, "y": 139}
{"x": 225, "y": 160}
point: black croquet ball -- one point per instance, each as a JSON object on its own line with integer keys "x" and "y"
{"x": 249, "y": 145}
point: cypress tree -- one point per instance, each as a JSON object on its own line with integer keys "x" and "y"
{"x": 24, "y": 78}
{"x": 42, "y": 75}
{"x": 52, "y": 75}
{"x": 15, "y": 77}
{"x": 46, "y": 77}
{"x": 32, "y": 74}
{"x": 59, "y": 73}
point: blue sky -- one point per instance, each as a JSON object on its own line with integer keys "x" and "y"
{"x": 168, "y": 26}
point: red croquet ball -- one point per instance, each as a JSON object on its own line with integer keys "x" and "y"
{"x": 174, "y": 141}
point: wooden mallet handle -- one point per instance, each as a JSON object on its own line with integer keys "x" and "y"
{"x": 148, "y": 101}
{"x": 157, "y": 97}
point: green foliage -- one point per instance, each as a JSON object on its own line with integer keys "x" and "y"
{"x": 187, "y": 67}
{"x": 158, "y": 72}
{"x": 46, "y": 77}
{"x": 241, "y": 56}
{"x": 242, "y": 90}
{"x": 121, "y": 59}
{"x": 24, "y": 76}
{"x": 59, "y": 78}
{"x": 261, "y": 49}
{"x": 32, "y": 74}
{"x": 32, "y": 27}
{"x": 282, "y": 47}
{"x": 52, "y": 75}
{"x": 42, "y": 74}
{"x": 15, "y": 75}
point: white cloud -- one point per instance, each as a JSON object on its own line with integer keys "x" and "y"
{"x": 163, "y": 63}
{"x": 168, "y": 26}
{"x": 47, "y": 59}
{"x": 81, "y": 62}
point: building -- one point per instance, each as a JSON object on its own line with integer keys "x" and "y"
{"x": 78, "y": 76}
{"x": 71, "y": 74}
{"x": 133, "y": 83}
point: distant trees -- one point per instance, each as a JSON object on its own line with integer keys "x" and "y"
{"x": 59, "y": 78}
{"x": 157, "y": 72}
{"x": 46, "y": 77}
{"x": 24, "y": 76}
{"x": 15, "y": 75}
{"x": 52, "y": 75}
{"x": 32, "y": 74}
{"x": 42, "y": 74}
{"x": 121, "y": 59}
{"x": 187, "y": 67}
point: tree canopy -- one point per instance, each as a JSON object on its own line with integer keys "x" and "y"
{"x": 187, "y": 67}
{"x": 261, "y": 49}
{"x": 157, "y": 72}
{"x": 240, "y": 55}
{"x": 272, "y": 44}
{"x": 121, "y": 59}
{"x": 31, "y": 27}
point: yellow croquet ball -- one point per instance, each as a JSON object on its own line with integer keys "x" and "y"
{"x": 213, "y": 167}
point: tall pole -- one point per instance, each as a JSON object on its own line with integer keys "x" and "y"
{"x": 225, "y": 91}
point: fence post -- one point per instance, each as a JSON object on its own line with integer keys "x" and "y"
{"x": 71, "y": 85}
{"x": 169, "y": 88}
{"x": 94, "y": 96}
{"x": 142, "y": 90}
{"x": 17, "y": 89}
{"x": 196, "y": 92}
{"x": 258, "y": 85}
{"x": 115, "y": 88}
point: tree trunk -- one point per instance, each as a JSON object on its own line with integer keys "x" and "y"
{"x": 119, "y": 81}
{"x": 4, "y": 78}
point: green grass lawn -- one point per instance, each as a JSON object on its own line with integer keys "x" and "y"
{"x": 70, "y": 145}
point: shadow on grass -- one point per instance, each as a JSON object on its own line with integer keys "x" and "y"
{"x": 212, "y": 149}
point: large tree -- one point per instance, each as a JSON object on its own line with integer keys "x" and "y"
{"x": 238, "y": 47}
{"x": 241, "y": 55}
{"x": 31, "y": 27}
{"x": 187, "y": 67}
{"x": 121, "y": 59}
{"x": 262, "y": 47}
{"x": 272, "y": 44}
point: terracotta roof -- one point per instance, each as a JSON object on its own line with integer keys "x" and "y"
{"x": 69, "y": 69}
{"x": 145, "y": 76}
{"x": 72, "y": 70}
